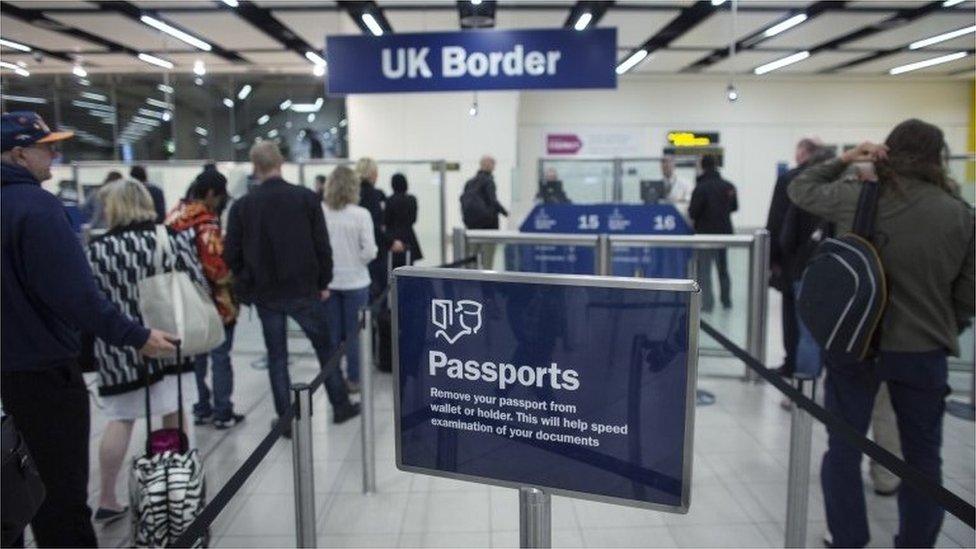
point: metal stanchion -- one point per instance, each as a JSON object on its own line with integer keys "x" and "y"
{"x": 798, "y": 487}
{"x": 535, "y": 518}
{"x": 758, "y": 297}
{"x": 301, "y": 447}
{"x": 602, "y": 256}
{"x": 366, "y": 388}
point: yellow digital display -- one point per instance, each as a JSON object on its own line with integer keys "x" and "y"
{"x": 692, "y": 139}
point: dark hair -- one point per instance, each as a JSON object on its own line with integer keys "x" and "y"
{"x": 709, "y": 163}
{"x": 320, "y": 178}
{"x": 399, "y": 183}
{"x": 113, "y": 175}
{"x": 808, "y": 145}
{"x": 916, "y": 150}
{"x": 138, "y": 173}
{"x": 208, "y": 180}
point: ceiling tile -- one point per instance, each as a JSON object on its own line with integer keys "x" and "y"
{"x": 635, "y": 27}
{"x": 924, "y": 27}
{"x": 893, "y": 4}
{"x": 669, "y": 61}
{"x": 19, "y": 31}
{"x": 275, "y": 58}
{"x": 186, "y": 59}
{"x": 271, "y": 4}
{"x": 423, "y": 20}
{"x": 47, "y": 63}
{"x": 745, "y": 61}
{"x": 54, "y": 4}
{"x": 223, "y": 28}
{"x": 819, "y": 61}
{"x": 823, "y": 28}
{"x": 118, "y": 60}
{"x": 644, "y": 3}
{"x": 946, "y": 68}
{"x": 122, "y": 30}
{"x": 882, "y": 65}
{"x": 715, "y": 31}
{"x": 313, "y": 25}
{"x": 530, "y": 19}
{"x": 168, "y": 4}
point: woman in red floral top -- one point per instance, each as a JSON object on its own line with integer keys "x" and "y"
{"x": 200, "y": 213}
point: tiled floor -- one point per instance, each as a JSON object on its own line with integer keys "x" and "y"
{"x": 738, "y": 494}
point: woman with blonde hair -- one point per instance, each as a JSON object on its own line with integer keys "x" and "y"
{"x": 120, "y": 258}
{"x": 350, "y": 230}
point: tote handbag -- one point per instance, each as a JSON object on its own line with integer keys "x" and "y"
{"x": 172, "y": 302}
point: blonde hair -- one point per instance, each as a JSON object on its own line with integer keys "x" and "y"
{"x": 365, "y": 167}
{"x": 266, "y": 156}
{"x": 341, "y": 189}
{"x": 125, "y": 202}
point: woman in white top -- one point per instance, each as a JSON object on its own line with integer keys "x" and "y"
{"x": 353, "y": 247}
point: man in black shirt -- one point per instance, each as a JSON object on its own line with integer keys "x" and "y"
{"x": 277, "y": 246}
{"x": 374, "y": 201}
{"x": 712, "y": 203}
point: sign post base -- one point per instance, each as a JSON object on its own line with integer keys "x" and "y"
{"x": 535, "y": 518}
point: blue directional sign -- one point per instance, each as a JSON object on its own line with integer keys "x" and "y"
{"x": 580, "y": 385}
{"x": 472, "y": 60}
{"x": 596, "y": 219}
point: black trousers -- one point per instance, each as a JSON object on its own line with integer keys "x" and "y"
{"x": 791, "y": 330}
{"x": 50, "y": 408}
{"x": 720, "y": 259}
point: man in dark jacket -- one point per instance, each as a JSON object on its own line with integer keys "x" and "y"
{"x": 374, "y": 201}
{"x": 48, "y": 294}
{"x": 480, "y": 207}
{"x": 159, "y": 201}
{"x": 712, "y": 203}
{"x": 780, "y": 263}
{"x": 278, "y": 249}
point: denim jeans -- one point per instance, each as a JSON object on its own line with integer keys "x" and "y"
{"x": 309, "y": 313}
{"x": 223, "y": 380}
{"x": 342, "y": 310}
{"x": 917, "y": 384}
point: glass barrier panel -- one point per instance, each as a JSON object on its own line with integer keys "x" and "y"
{"x": 731, "y": 317}
{"x": 632, "y": 172}
{"x": 583, "y": 181}
{"x": 540, "y": 258}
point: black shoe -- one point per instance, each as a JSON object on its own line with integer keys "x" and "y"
{"x": 234, "y": 419}
{"x": 727, "y": 305}
{"x": 284, "y": 434}
{"x": 106, "y": 516}
{"x": 887, "y": 493}
{"x": 783, "y": 371}
{"x": 202, "y": 419}
{"x": 344, "y": 414}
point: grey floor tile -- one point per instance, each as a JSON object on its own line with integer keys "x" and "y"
{"x": 628, "y": 537}
{"x": 711, "y": 505}
{"x": 454, "y": 539}
{"x": 593, "y": 514}
{"x": 358, "y": 540}
{"x": 264, "y": 515}
{"x": 729, "y": 535}
{"x": 505, "y": 511}
{"x": 254, "y": 541}
{"x": 363, "y": 514}
{"x": 437, "y": 512}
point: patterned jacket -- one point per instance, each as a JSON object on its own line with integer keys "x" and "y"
{"x": 191, "y": 214}
{"x": 119, "y": 259}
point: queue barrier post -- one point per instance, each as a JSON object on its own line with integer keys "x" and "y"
{"x": 603, "y": 255}
{"x": 302, "y": 468}
{"x": 459, "y": 243}
{"x": 535, "y": 518}
{"x": 798, "y": 479}
{"x": 758, "y": 298}
{"x": 366, "y": 388}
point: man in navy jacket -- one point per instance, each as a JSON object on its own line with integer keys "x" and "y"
{"x": 48, "y": 294}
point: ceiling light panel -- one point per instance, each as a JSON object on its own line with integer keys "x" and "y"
{"x": 715, "y": 30}
{"x": 635, "y": 27}
{"x": 123, "y": 30}
{"x": 668, "y": 61}
{"x": 223, "y": 28}
{"x": 530, "y": 19}
{"x": 745, "y": 61}
{"x": 882, "y": 65}
{"x": 823, "y": 28}
{"x": 19, "y": 31}
{"x": 820, "y": 61}
{"x": 924, "y": 27}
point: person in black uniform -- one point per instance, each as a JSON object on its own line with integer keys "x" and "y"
{"x": 374, "y": 200}
{"x": 712, "y": 203}
{"x": 399, "y": 218}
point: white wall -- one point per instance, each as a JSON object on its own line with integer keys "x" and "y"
{"x": 757, "y": 131}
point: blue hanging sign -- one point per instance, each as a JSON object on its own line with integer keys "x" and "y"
{"x": 472, "y": 60}
{"x": 579, "y": 385}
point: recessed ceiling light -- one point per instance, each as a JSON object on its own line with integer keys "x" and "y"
{"x": 928, "y": 63}
{"x": 583, "y": 21}
{"x": 786, "y": 25}
{"x": 158, "y": 61}
{"x": 176, "y": 33}
{"x": 780, "y": 63}
{"x": 632, "y": 61}
{"x": 14, "y": 45}
{"x": 941, "y": 37}
{"x": 371, "y": 23}
{"x": 245, "y": 91}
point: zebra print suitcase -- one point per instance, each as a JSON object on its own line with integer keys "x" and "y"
{"x": 167, "y": 488}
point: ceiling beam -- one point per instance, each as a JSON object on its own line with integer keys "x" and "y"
{"x": 63, "y": 56}
{"x": 686, "y": 20}
{"x": 357, "y": 9}
{"x": 595, "y": 9}
{"x": 263, "y": 20}
{"x": 758, "y": 37}
{"x": 133, "y": 12}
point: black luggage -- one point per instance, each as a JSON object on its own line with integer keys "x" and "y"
{"x": 844, "y": 292}
{"x": 384, "y": 323}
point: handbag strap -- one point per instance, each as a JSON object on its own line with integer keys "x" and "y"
{"x": 867, "y": 210}
{"x": 179, "y": 384}
{"x": 163, "y": 247}
{"x": 145, "y": 378}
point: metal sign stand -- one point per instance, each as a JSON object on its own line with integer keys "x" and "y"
{"x": 535, "y": 518}
{"x": 798, "y": 483}
{"x": 366, "y": 377}
{"x": 302, "y": 468}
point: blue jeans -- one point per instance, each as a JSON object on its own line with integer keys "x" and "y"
{"x": 223, "y": 380}
{"x": 309, "y": 313}
{"x": 918, "y": 386}
{"x": 342, "y": 310}
{"x": 807, "y": 361}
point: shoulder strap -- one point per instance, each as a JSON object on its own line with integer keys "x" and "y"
{"x": 145, "y": 380}
{"x": 867, "y": 210}
{"x": 163, "y": 247}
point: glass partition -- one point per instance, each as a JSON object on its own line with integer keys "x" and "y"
{"x": 962, "y": 170}
{"x": 583, "y": 181}
{"x": 632, "y": 172}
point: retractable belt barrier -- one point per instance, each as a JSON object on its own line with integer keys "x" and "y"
{"x": 198, "y": 528}
{"x": 949, "y": 501}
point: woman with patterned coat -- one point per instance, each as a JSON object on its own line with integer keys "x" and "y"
{"x": 120, "y": 259}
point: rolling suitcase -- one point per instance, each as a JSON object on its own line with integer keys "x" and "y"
{"x": 384, "y": 324}
{"x": 167, "y": 489}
